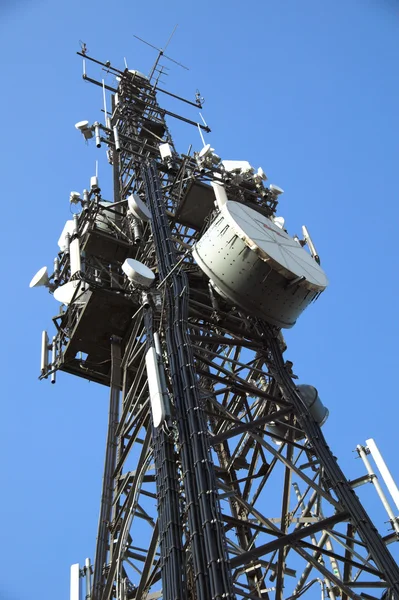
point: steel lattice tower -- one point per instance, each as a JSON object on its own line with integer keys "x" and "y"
{"x": 218, "y": 482}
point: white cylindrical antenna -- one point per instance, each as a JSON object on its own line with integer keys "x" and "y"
{"x": 74, "y": 593}
{"x": 383, "y": 469}
{"x": 200, "y": 132}
{"x": 75, "y": 224}
{"x": 116, "y": 139}
{"x": 308, "y": 240}
{"x": 56, "y": 270}
{"x": 124, "y": 58}
{"x": 137, "y": 233}
{"x": 374, "y": 480}
{"x": 67, "y": 243}
{"x": 53, "y": 358}
{"x": 116, "y": 99}
{"x": 88, "y": 578}
{"x": 44, "y": 353}
{"x": 105, "y": 105}
{"x": 75, "y": 256}
{"x": 97, "y": 134}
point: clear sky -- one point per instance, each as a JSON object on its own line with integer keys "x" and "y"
{"x": 309, "y": 91}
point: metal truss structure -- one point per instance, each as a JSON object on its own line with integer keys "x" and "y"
{"x": 234, "y": 493}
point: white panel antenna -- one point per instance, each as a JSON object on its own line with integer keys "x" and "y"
{"x": 165, "y": 152}
{"x": 68, "y": 230}
{"x": 75, "y": 593}
{"x": 220, "y": 194}
{"x": 74, "y": 250}
{"x": 155, "y": 387}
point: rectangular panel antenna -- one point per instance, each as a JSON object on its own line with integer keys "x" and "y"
{"x": 75, "y": 583}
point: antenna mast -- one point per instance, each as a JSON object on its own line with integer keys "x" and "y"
{"x": 218, "y": 481}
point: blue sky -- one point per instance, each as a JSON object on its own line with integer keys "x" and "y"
{"x": 307, "y": 90}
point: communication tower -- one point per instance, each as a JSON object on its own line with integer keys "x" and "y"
{"x": 218, "y": 482}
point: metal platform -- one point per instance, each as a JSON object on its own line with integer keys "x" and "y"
{"x": 196, "y": 205}
{"x": 97, "y": 242}
{"x": 106, "y": 314}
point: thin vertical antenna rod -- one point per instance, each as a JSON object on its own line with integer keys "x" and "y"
{"x": 374, "y": 480}
{"x": 203, "y": 120}
{"x": 105, "y": 105}
{"x": 383, "y": 469}
{"x": 202, "y": 137}
{"x": 161, "y": 52}
{"x": 171, "y": 35}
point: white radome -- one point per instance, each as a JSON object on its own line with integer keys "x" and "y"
{"x": 138, "y": 273}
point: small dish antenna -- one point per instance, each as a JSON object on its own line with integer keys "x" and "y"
{"x": 66, "y": 292}
{"x": 137, "y": 208}
{"x": 85, "y": 128}
{"x": 138, "y": 273}
{"x": 40, "y": 279}
{"x": 261, "y": 174}
{"x": 205, "y": 151}
{"x": 276, "y": 190}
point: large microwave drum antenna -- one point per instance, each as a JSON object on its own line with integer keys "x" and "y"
{"x": 254, "y": 263}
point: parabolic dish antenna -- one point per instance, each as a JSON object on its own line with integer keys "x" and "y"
{"x": 82, "y": 125}
{"x": 138, "y": 273}
{"x": 255, "y": 264}
{"x": 66, "y": 292}
{"x": 137, "y": 208}
{"x": 205, "y": 150}
{"x": 41, "y": 278}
